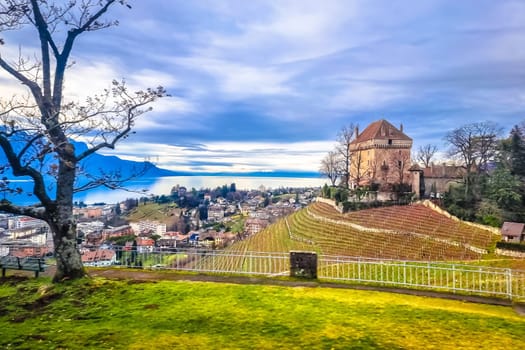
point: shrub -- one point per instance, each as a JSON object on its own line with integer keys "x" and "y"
{"x": 518, "y": 247}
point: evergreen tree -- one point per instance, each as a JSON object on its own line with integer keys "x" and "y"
{"x": 517, "y": 152}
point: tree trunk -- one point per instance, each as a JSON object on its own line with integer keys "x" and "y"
{"x": 68, "y": 260}
{"x": 63, "y": 224}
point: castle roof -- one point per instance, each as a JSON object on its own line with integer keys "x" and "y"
{"x": 381, "y": 130}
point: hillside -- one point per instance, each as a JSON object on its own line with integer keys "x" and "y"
{"x": 413, "y": 232}
{"x": 164, "y": 213}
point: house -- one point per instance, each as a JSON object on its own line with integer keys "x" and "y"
{"x": 215, "y": 212}
{"x": 167, "y": 243}
{"x": 513, "y": 232}
{"x": 194, "y": 238}
{"x": 145, "y": 245}
{"x": 99, "y": 257}
{"x": 23, "y": 248}
{"x": 254, "y": 225}
{"x": 216, "y": 239}
{"x": 380, "y": 155}
{"x": 124, "y": 230}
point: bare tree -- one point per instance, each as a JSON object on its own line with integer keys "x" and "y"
{"x": 476, "y": 145}
{"x": 331, "y": 167}
{"x": 425, "y": 154}
{"x": 358, "y": 166}
{"x": 344, "y": 138}
{"x": 399, "y": 163}
{"x": 38, "y": 128}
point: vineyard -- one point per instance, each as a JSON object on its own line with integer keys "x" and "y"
{"x": 413, "y": 232}
{"x": 408, "y": 246}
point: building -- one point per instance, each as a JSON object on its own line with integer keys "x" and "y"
{"x": 20, "y": 222}
{"x": 438, "y": 177}
{"x": 380, "y": 155}
{"x": 513, "y": 232}
{"x": 149, "y": 227}
{"x": 215, "y": 212}
{"x": 100, "y": 257}
{"x": 254, "y": 225}
{"x": 124, "y": 230}
{"x": 145, "y": 245}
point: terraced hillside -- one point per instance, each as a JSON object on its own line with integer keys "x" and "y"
{"x": 412, "y": 232}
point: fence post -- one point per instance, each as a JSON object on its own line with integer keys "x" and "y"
{"x": 509, "y": 283}
{"x": 404, "y": 273}
{"x": 359, "y": 269}
{"x": 428, "y": 273}
{"x": 454, "y": 279}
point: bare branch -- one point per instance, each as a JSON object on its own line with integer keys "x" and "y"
{"x": 133, "y": 109}
{"x": 425, "y": 154}
{"x": 35, "y": 89}
{"x": 20, "y": 170}
{"x": 344, "y": 139}
{"x": 331, "y": 167}
{"x": 112, "y": 180}
{"x": 36, "y": 211}
{"x": 62, "y": 58}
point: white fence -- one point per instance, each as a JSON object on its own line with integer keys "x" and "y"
{"x": 444, "y": 277}
{"x": 452, "y": 278}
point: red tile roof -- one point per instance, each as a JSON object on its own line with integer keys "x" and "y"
{"x": 98, "y": 255}
{"x": 514, "y": 229}
{"x": 381, "y": 129}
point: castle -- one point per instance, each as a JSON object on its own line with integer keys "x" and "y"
{"x": 380, "y": 155}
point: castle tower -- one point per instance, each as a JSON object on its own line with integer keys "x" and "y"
{"x": 381, "y": 155}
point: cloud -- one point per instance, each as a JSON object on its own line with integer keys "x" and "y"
{"x": 238, "y": 81}
{"x": 230, "y": 156}
{"x": 251, "y": 80}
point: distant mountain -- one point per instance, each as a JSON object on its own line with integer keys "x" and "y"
{"x": 98, "y": 163}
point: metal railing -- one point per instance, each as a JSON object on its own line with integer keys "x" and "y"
{"x": 444, "y": 277}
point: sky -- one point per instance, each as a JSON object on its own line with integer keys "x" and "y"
{"x": 267, "y": 85}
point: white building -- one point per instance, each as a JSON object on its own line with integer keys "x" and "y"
{"x": 215, "y": 212}
{"x": 154, "y": 227}
{"x": 17, "y": 222}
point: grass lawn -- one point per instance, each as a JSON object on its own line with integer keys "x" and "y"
{"x": 106, "y": 314}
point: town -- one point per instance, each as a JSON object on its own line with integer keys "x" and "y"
{"x": 200, "y": 219}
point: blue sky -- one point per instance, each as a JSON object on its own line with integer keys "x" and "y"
{"x": 266, "y": 85}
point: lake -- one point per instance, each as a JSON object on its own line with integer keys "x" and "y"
{"x": 163, "y": 185}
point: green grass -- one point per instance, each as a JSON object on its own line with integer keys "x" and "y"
{"x": 153, "y": 212}
{"x": 105, "y": 314}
